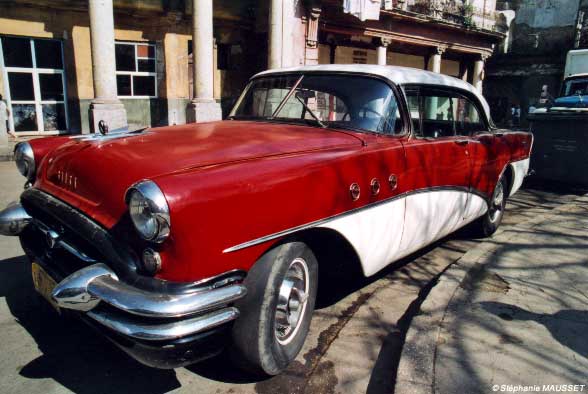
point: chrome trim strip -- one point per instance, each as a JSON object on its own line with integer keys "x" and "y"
{"x": 165, "y": 331}
{"x": 83, "y": 290}
{"x": 306, "y": 226}
{"x": 13, "y": 220}
{"x": 143, "y": 303}
{"x": 58, "y": 242}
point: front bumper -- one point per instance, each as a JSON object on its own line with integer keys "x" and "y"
{"x": 158, "y": 325}
{"x": 145, "y": 315}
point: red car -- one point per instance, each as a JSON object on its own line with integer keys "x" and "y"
{"x": 178, "y": 241}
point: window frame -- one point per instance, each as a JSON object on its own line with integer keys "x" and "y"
{"x": 419, "y": 88}
{"x": 396, "y": 90}
{"x": 37, "y": 101}
{"x": 137, "y": 73}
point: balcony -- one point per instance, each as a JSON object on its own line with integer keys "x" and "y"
{"x": 455, "y": 12}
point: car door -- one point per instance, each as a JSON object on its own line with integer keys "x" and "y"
{"x": 437, "y": 168}
{"x": 484, "y": 151}
{"x": 375, "y": 228}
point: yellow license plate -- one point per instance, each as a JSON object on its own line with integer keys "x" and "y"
{"x": 44, "y": 284}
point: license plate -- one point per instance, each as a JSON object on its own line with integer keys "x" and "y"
{"x": 44, "y": 284}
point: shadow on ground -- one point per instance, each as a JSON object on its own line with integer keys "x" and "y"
{"x": 566, "y": 334}
{"x": 72, "y": 354}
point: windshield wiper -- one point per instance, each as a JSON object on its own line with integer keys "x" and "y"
{"x": 283, "y": 102}
{"x": 310, "y": 111}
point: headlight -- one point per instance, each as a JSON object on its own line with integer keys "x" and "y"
{"x": 149, "y": 211}
{"x": 25, "y": 160}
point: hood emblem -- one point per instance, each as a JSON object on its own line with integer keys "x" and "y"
{"x": 103, "y": 127}
{"x": 67, "y": 180}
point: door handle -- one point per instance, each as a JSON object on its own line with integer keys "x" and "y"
{"x": 462, "y": 142}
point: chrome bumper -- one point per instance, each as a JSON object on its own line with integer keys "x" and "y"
{"x": 146, "y": 315}
{"x": 13, "y": 219}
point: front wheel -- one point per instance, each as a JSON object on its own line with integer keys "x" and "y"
{"x": 489, "y": 223}
{"x": 276, "y": 313}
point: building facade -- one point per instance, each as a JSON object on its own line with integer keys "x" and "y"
{"x": 67, "y": 64}
{"x": 532, "y": 59}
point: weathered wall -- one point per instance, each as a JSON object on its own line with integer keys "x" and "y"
{"x": 167, "y": 24}
{"x": 542, "y": 33}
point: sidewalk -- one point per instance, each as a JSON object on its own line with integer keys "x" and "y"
{"x": 512, "y": 311}
{"x": 6, "y": 151}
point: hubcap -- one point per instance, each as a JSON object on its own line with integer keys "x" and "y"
{"x": 292, "y": 301}
{"x": 497, "y": 201}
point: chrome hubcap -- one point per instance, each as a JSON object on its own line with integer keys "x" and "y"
{"x": 497, "y": 200}
{"x": 292, "y": 301}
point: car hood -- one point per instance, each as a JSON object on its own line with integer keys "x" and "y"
{"x": 572, "y": 101}
{"x": 93, "y": 173}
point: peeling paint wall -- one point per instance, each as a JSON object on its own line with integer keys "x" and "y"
{"x": 541, "y": 14}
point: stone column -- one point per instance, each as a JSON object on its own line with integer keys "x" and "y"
{"x": 463, "y": 70}
{"x": 203, "y": 107}
{"x": 105, "y": 106}
{"x": 275, "y": 34}
{"x": 435, "y": 61}
{"x": 478, "y": 77}
{"x": 3, "y": 128}
{"x": 382, "y": 51}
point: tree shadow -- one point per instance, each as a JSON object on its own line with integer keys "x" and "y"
{"x": 72, "y": 353}
{"x": 563, "y": 325}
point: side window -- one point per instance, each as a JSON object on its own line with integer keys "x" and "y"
{"x": 412, "y": 98}
{"x": 439, "y": 113}
{"x": 468, "y": 120}
{"x": 445, "y": 114}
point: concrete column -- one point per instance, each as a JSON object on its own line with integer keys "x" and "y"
{"x": 463, "y": 70}
{"x": 203, "y": 107}
{"x": 382, "y": 51}
{"x": 275, "y": 34}
{"x": 281, "y": 47}
{"x": 435, "y": 61}
{"x": 105, "y": 106}
{"x": 478, "y": 77}
{"x": 3, "y": 128}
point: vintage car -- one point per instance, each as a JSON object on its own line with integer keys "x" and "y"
{"x": 177, "y": 242}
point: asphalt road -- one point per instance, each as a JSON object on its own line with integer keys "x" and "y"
{"x": 354, "y": 343}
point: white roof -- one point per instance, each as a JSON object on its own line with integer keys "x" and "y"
{"x": 396, "y": 74}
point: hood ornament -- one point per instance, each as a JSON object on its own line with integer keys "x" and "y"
{"x": 103, "y": 127}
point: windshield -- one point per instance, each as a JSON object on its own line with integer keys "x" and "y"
{"x": 576, "y": 87}
{"x": 337, "y": 101}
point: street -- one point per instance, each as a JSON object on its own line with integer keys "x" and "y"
{"x": 354, "y": 344}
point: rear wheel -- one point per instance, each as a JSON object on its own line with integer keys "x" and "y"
{"x": 489, "y": 223}
{"x": 276, "y": 313}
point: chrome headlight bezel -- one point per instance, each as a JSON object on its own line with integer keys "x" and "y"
{"x": 152, "y": 199}
{"x": 25, "y": 160}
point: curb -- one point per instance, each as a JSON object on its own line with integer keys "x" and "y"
{"x": 416, "y": 373}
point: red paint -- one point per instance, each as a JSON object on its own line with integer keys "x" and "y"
{"x": 231, "y": 182}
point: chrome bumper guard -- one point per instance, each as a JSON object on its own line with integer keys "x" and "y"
{"x": 13, "y": 220}
{"x": 192, "y": 313}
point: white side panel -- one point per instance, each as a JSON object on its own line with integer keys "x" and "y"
{"x": 390, "y": 231}
{"x": 520, "y": 169}
{"x": 375, "y": 233}
{"x": 430, "y": 216}
{"x": 476, "y": 207}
